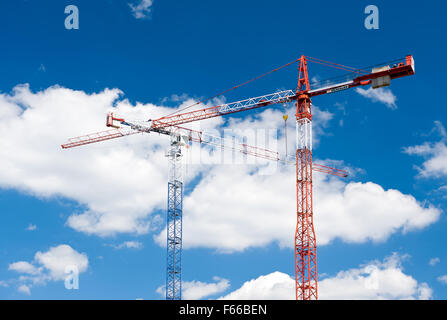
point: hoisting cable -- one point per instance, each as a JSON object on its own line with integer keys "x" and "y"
{"x": 336, "y": 65}
{"x": 235, "y": 87}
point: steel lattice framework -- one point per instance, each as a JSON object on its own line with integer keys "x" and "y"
{"x": 174, "y": 221}
{"x": 233, "y": 107}
{"x": 305, "y": 241}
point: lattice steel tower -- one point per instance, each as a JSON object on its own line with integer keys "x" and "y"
{"x": 305, "y": 242}
{"x": 174, "y": 220}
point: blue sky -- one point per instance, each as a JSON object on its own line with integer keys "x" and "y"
{"x": 181, "y": 52}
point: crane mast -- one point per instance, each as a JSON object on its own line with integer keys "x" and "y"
{"x": 305, "y": 241}
{"x": 174, "y": 220}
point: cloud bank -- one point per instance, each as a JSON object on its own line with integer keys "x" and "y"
{"x": 48, "y": 266}
{"x": 377, "y": 280}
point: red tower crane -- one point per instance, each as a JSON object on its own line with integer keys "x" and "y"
{"x": 305, "y": 240}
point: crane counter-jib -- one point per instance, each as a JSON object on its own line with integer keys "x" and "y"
{"x": 404, "y": 68}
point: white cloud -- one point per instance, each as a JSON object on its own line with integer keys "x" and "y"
{"x": 58, "y": 258}
{"x": 424, "y": 291}
{"x": 142, "y": 9}
{"x": 129, "y": 245}
{"x": 117, "y": 182}
{"x": 439, "y": 129}
{"x": 435, "y": 154}
{"x": 4, "y": 284}
{"x": 434, "y": 261}
{"x": 443, "y": 279}
{"x": 382, "y": 95}
{"x": 196, "y": 290}
{"x": 436, "y": 163}
{"x": 356, "y": 212}
{"x": 443, "y": 191}
{"x": 24, "y": 267}
{"x": 274, "y": 286}
{"x": 375, "y": 280}
{"x": 233, "y": 209}
{"x": 49, "y": 266}
{"x": 31, "y": 227}
{"x": 24, "y": 289}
